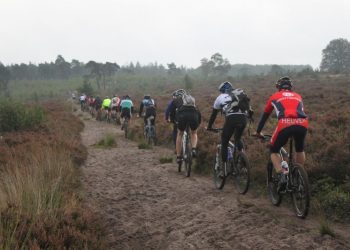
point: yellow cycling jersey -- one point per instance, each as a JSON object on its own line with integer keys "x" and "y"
{"x": 106, "y": 102}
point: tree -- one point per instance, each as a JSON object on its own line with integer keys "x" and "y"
{"x": 336, "y": 57}
{"x": 62, "y": 67}
{"x": 277, "y": 70}
{"x": 95, "y": 72}
{"x": 172, "y": 69}
{"x": 188, "y": 82}
{"x": 4, "y": 80}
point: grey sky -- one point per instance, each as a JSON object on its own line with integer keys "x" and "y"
{"x": 180, "y": 31}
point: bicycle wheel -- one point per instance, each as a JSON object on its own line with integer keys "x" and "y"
{"x": 125, "y": 127}
{"x": 241, "y": 176}
{"x": 272, "y": 185}
{"x": 218, "y": 170}
{"x": 301, "y": 191}
{"x": 188, "y": 157}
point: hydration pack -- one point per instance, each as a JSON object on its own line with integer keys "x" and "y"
{"x": 240, "y": 102}
{"x": 188, "y": 100}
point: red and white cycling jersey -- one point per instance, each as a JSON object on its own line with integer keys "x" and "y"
{"x": 287, "y": 104}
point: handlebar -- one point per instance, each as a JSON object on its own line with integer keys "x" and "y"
{"x": 264, "y": 138}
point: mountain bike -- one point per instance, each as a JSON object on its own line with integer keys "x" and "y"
{"x": 150, "y": 131}
{"x": 297, "y": 184}
{"x": 125, "y": 126}
{"x": 237, "y": 167}
{"x": 106, "y": 115}
{"x": 114, "y": 115}
{"x": 186, "y": 152}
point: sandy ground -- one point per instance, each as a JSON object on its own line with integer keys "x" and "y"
{"x": 148, "y": 205}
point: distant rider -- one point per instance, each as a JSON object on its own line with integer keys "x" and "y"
{"x": 150, "y": 109}
{"x": 126, "y": 106}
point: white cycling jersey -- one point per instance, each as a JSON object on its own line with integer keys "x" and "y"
{"x": 222, "y": 101}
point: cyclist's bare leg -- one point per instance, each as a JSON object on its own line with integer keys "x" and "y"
{"x": 194, "y": 138}
{"x": 276, "y": 161}
{"x": 178, "y": 142}
{"x": 300, "y": 158}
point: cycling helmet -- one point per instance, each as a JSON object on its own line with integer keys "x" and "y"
{"x": 147, "y": 97}
{"x": 284, "y": 83}
{"x": 225, "y": 87}
{"x": 179, "y": 93}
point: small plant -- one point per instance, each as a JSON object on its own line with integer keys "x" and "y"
{"x": 144, "y": 145}
{"x": 108, "y": 141}
{"x": 326, "y": 229}
{"x": 165, "y": 159}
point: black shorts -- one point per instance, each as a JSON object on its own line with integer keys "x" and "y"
{"x": 125, "y": 113}
{"x": 297, "y": 132}
{"x": 188, "y": 117}
{"x": 106, "y": 108}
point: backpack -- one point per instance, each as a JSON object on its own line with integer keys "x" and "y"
{"x": 240, "y": 102}
{"x": 188, "y": 100}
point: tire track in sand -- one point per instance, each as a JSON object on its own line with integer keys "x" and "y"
{"x": 148, "y": 205}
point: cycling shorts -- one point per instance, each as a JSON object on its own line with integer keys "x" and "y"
{"x": 106, "y": 108}
{"x": 187, "y": 117}
{"x": 125, "y": 113}
{"x": 286, "y": 128}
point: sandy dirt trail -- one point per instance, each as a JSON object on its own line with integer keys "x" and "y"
{"x": 148, "y": 205}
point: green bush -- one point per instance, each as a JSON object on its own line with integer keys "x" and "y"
{"x": 16, "y": 116}
{"x": 336, "y": 203}
{"x": 144, "y": 145}
{"x": 108, "y": 141}
{"x": 165, "y": 159}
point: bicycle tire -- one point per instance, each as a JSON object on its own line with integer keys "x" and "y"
{"x": 272, "y": 185}
{"x": 125, "y": 127}
{"x": 218, "y": 172}
{"x": 299, "y": 179}
{"x": 242, "y": 177}
{"x": 188, "y": 157}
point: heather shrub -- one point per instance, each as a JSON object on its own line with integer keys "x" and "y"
{"x": 15, "y": 116}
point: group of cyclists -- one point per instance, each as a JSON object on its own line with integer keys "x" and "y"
{"x": 108, "y": 108}
{"x": 235, "y": 105}
{"x": 182, "y": 112}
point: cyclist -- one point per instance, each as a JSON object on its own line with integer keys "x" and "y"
{"x": 126, "y": 107}
{"x": 170, "y": 113}
{"x": 98, "y": 106}
{"x": 292, "y": 121}
{"x": 115, "y": 102}
{"x": 82, "y": 100}
{"x": 150, "y": 109}
{"x": 187, "y": 114}
{"x": 235, "y": 117}
{"x": 106, "y": 106}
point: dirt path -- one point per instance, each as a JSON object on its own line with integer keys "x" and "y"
{"x": 148, "y": 205}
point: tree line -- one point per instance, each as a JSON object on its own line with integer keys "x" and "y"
{"x": 335, "y": 59}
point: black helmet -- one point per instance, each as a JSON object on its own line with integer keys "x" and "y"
{"x": 284, "y": 83}
{"x": 225, "y": 87}
{"x": 147, "y": 96}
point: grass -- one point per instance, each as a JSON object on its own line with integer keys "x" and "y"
{"x": 165, "y": 159}
{"x": 325, "y": 229}
{"x": 39, "y": 205}
{"x": 144, "y": 145}
{"x": 107, "y": 142}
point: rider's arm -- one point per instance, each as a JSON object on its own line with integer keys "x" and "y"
{"x": 267, "y": 111}
{"x": 214, "y": 113}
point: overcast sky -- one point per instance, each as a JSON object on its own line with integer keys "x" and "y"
{"x": 164, "y": 31}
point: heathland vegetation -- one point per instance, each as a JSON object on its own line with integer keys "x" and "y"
{"x": 41, "y": 149}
